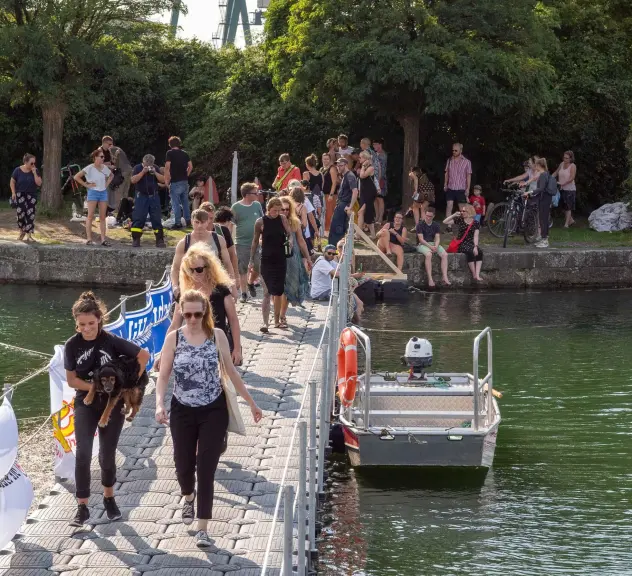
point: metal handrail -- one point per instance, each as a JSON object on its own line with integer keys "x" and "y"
{"x": 488, "y": 379}
{"x": 366, "y": 344}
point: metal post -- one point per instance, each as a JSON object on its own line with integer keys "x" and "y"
{"x": 123, "y": 300}
{"x": 312, "y": 469}
{"x": 234, "y": 179}
{"x": 148, "y": 284}
{"x": 323, "y": 434}
{"x": 288, "y": 525}
{"x": 302, "y": 495}
{"x": 490, "y": 382}
{"x": 475, "y": 374}
{"x": 334, "y": 338}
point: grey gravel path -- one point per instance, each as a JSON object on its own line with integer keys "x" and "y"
{"x": 151, "y": 537}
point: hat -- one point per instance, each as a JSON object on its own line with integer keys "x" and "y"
{"x": 342, "y": 160}
{"x": 330, "y": 247}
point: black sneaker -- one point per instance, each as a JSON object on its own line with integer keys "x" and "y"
{"x": 252, "y": 290}
{"x": 188, "y": 511}
{"x": 82, "y": 516}
{"x": 111, "y": 509}
{"x": 244, "y": 298}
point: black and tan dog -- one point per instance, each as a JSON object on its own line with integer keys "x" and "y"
{"x": 118, "y": 379}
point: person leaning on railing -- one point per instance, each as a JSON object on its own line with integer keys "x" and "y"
{"x": 84, "y": 352}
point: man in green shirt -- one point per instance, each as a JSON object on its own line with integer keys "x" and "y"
{"x": 246, "y": 212}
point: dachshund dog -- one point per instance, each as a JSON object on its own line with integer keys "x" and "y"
{"x": 118, "y": 379}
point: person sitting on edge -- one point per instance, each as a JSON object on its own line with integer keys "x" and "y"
{"x": 392, "y": 237}
{"x": 323, "y": 271}
{"x": 196, "y": 194}
{"x": 287, "y": 171}
{"x": 429, "y": 236}
{"x": 477, "y": 200}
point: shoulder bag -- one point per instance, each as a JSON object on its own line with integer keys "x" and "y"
{"x": 235, "y": 421}
{"x": 453, "y": 247}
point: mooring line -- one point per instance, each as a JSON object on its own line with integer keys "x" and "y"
{"x": 26, "y": 350}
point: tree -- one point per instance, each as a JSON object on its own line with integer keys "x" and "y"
{"x": 408, "y": 58}
{"x": 52, "y": 50}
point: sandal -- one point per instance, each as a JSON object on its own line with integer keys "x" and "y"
{"x": 22, "y": 235}
{"x": 106, "y": 243}
{"x": 89, "y": 243}
{"x": 283, "y": 325}
{"x": 264, "y": 329}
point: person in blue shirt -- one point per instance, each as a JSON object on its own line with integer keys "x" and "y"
{"x": 145, "y": 178}
{"x": 24, "y": 184}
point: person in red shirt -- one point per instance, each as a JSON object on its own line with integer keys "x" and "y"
{"x": 477, "y": 200}
{"x": 287, "y": 171}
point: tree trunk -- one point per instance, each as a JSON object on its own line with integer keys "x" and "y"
{"x": 410, "y": 124}
{"x": 54, "y": 114}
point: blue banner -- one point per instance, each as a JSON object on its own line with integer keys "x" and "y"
{"x": 147, "y": 327}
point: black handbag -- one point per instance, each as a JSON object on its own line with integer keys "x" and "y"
{"x": 117, "y": 179}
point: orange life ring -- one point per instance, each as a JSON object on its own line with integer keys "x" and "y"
{"x": 347, "y": 367}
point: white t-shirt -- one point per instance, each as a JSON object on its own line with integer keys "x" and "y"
{"x": 321, "y": 277}
{"x": 345, "y": 151}
{"x": 98, "y": 177}
{"x": 310, "y": 208}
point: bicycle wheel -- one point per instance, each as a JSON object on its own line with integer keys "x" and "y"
{"x": 510, "y": 224}
{"x": 530, "y": 228}
{"x": 496, "y": 219}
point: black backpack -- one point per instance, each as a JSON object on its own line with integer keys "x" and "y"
{"x": 187, "y": 244}
{"x": 551, "y": 185}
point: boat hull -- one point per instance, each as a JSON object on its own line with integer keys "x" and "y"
{"x": 463, "y": 448}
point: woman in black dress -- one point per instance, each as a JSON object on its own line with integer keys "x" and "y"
{"x": 468, "y": 230}
{"x": 273, "y": 229}
{"x": 330, "y": 188}
{"x": 368, "y": 193}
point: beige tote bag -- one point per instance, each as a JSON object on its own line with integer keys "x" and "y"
{"x": 235, "y": 421}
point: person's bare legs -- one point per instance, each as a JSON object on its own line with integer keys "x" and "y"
{"x": 243, "y": 283}
{"x": 103, "y": 210}
{"x": 265, "y": 307}
{"x": 472, "y": 267}
{"x": 568, "y": 221}
{"x": 444, "y": 268}
{"x": 361, "y": 218}
{"x": 428, "y": 265}
{"x": 285, "y": 303}
{"x": 384, "y": 245}
{"x": 399, "y": 254}
{"x": 372, "y": 231}
{"x": 448, "y": 208}
{"x": 277, "y": 310}
{"x": 477, "y": 267}
{"x": 92, "y": 206}
{"x": 416, "y": 213}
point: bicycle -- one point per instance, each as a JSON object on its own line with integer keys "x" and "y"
{"x": 77, "y": 190}
{"x": 518, "y": 214}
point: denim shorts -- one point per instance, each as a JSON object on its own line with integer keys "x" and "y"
{"x": 97, "y": 195}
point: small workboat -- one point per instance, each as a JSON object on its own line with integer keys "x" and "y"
{"x": 416, "y": 418}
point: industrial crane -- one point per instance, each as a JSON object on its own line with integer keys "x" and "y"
{"x": 230, "y": 12}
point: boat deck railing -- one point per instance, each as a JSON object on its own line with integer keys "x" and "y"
{"x": 481, "y": 412}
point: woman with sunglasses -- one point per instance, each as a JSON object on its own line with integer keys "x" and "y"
{"x": 196, "y": 354}
{"x": 96, "y": 177}
{"x": 201, "y": 270}
{"x": 298, "y": 265}
{"x": 24, "y": 184}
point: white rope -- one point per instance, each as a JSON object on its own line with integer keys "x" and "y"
{"x": 421, "y": 331}
{"x": 294, "y": 429}
{"x": 25, "y": 379}
{"x": 36, "y": 432}
{"x": 26, "y": 350}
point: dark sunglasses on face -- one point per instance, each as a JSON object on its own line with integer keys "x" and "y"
{"x": 196, "y": 315}
{"x": 331, "y": 253}
{"x": 199, "y": 269}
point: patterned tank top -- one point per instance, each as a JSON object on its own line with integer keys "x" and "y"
{"x": 196, "y": 372}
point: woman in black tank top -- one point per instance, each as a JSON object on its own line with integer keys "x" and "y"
{"x": 330, "y": 188}
{"x": 392, "y": 237}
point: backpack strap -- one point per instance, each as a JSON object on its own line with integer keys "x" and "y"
{"x": 217, "y": 244}
{"x": 187, "y": 242}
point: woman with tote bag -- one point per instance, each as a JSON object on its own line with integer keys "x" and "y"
{"x": 203, "y": 406}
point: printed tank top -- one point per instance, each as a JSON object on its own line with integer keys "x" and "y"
{"x": 196, "y": 372}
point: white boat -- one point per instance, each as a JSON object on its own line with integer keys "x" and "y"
{"x": 422, "y": 419}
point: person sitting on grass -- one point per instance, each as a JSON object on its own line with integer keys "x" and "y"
{"x": 429, "y": 236}
{"x": 392, "y": 237}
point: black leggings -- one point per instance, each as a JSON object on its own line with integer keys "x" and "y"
{"x": 86, "y": 424}
{"x": 544, "y": 207}
{"x": 469, "y": 255}
{"x": 198, "y": 437}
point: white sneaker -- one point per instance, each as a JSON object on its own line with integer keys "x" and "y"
{"x": 542, "y": 243}
{"x": 202, "y": 540}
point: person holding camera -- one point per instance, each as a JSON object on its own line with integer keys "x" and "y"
{"x": 145, "y": 178}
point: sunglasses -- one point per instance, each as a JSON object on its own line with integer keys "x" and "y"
{"x": 331, "y": 253}
{"x": 196, "y": 315}
{"x": 31, "y": 163}
{"x": 199, "y": 269}
{"x": 285, "y": 209}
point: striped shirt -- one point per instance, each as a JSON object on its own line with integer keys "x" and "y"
{"x": 458, "y": 170}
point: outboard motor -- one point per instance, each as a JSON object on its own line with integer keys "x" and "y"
{"x": 418, "y": 356}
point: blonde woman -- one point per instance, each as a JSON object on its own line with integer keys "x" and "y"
{"x": 368, "y": 193}
{"x": 201, "y": 270}
{"x": 199, "y": 416}
{"x": 298, "y": 265}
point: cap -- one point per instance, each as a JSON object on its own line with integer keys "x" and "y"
{"x": 342, "y": 160}
{"x": 330, "y": 247}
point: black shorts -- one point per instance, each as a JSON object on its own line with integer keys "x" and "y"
{"x": 455, "y": 196}
{"x": 568, "y": 198}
